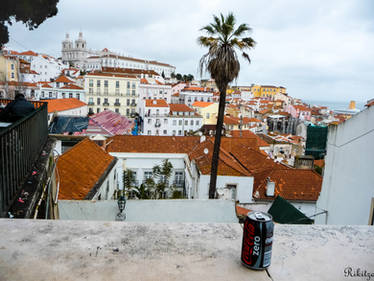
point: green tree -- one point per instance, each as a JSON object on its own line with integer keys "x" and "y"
{"x": 162, "y": 174}
{"x": 32, "y": 13}
{"x": 129, "y": 181}
{"x": 222, "y": 62}
{"x": 163, "y": 74}
{"x": 190, "y": 77}
{"x": 179, "y": 77}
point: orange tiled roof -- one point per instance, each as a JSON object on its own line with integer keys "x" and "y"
{"x": 319, "y": 163}
{"x": 79, "y": 173}
{"x": 46, "y": 85}
{"x": 72, "y": 87}
{"x": 249, "y": 134}
{"x": 197, "y": 89}
{"x": 28, "y": 53}
{"x": 158, "y": 82}
{"x": 302, "y": 108}
{"x": 201, "y": 103}
{"x": 175, "y": 95}
{"x": 229, "y": 120}
{"x": 180, "y": 108}
{"x": 63, "y": 79}
{"x": 156, "y": 103}
{"x": 291, "y": 184}
{"x": 143, "y": 81}
{"x": 63, "y": 104}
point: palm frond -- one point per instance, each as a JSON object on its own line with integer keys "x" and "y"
{"x": 230, "y": 19}
{"x": 208, "y": 29}
{"x": 243, "y": 28}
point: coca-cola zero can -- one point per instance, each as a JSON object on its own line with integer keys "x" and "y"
{"x": 257, "y": 240}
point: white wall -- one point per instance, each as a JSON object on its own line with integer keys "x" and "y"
{"x": 109, "y": 185}
{"x": 244, "y": 187}
{"x": 348, "y": 183}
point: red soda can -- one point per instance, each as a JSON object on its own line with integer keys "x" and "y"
{"x": 257, "y": 240}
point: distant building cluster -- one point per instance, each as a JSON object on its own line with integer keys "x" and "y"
{"x": 118, "y": 119}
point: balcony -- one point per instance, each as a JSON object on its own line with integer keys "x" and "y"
{"x": 105, "y": 103}
{"x": 91, "y": 103}
{"x": 157, "y": 125}
{"x": 133, "y": 104}
{"x": 117, "y": 104}
{"x": 21, "y": 144}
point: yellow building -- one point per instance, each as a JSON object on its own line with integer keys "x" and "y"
{"x": 265, "y": 91}
{"x": 208, "y": 110}
{"x": 116, "y": 92}
{"x": 9, "y": 67}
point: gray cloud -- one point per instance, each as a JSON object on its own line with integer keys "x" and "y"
{"x": 317, "y": 49}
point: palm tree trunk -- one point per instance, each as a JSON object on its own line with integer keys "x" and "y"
{"x": 217, "y": 142}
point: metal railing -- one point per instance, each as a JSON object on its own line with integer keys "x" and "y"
{"x": 20, "y": 146}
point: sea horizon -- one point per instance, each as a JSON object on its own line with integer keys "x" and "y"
{"x": 335, "y": 105}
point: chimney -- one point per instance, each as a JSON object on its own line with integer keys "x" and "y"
{"x": 305, "y": 162}
{"x": 270, "y": 187}
{"x": 352, "y": 104}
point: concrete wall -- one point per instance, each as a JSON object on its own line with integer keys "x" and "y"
{"x": 348, "y": 183}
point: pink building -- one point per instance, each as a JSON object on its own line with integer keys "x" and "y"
{"x": 299, "y": 111}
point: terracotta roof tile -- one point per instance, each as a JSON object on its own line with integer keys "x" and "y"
{"x": 63, "y": 104}
{"x": 63, "y": 79}
{"x": 72, "y": 87}
{"x": 180, "y": 108}
{"x": 291, "y": 184}
{"x": 156, "y": 103}
{"x": 201, "y": 103}
{"x": 80, "y": 168}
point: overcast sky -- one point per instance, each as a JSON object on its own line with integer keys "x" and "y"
{"x": 317, "y": 49}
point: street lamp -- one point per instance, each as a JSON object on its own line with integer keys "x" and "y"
{"x": 121, "y": 206}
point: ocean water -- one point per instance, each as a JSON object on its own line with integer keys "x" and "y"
{"x": 335, "y": 105}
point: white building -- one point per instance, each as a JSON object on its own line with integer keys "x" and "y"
{"x": 189, "y": 157}
{"x": 80, "y": 56}
{"x": 162, "y": 119}
{"x": 150, "y": 88}
{"x": 348, "y": 191}
{"x": 51, "y": 91}
{"x": 189, "y": 95}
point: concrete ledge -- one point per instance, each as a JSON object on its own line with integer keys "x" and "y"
{"x": 92, "y": 250}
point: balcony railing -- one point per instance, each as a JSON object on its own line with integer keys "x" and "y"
{"x": 20, "y": 146}
{"x": 117, "y": 104}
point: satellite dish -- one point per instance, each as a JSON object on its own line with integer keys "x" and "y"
{"x": 206, "y": 151}
{"x": 202, "y": 139}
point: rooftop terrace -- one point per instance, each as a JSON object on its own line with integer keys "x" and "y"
{"x": 88, "y": 250}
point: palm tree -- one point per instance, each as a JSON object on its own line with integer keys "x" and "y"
{"x": 221, "y": 61}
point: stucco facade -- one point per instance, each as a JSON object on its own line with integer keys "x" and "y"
{"x": 347, "y": 193}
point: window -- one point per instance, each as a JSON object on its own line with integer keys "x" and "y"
{"x": 91, "y": 83}
{"x": 147, "y": 174}
{"x": 98, "y": 83}
{"x": 133, "y": 102}
{"x": 133, "y": 92}
{"x": 63, "y": 95}
{"x": 90, "y": 91}
{"x": 149, "y": 121}
{"x": 117, "y": 110}
{"x": 97, "y": 110}
{"x": 78, "y": 96}
{"x": 106, "y": 83}
{"x": 185, "y": 122}
{"x": 117, "y": 84}
{"x": 12, "y": 66}
{"x": 157, "y": 111}
{"x": 127, "y": 111}
{"x": 127, "y": 102}
{"x": 165, "y": 132}
{"x": 178, "y": 177}
{"x": 174, "y": 122}
{"x": 12, "y": 74}
{"x": 70, "y": 95}
{"x": 90, "y": 100}
{"x": 197, "y": 122}
{"x": 128, "y": 84}
{"x": 191, "y": 122}
{"x": 157, "y": 133}
{"x": 50, "y": 94}
{"x": 149, "y": 132}
{"x": 174, "y": 132}
{"x": 207, "y": 116}
{"x": 179, "y": 132}
{"x": 98, "y": 101}
{"x": 180, "y": 122}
